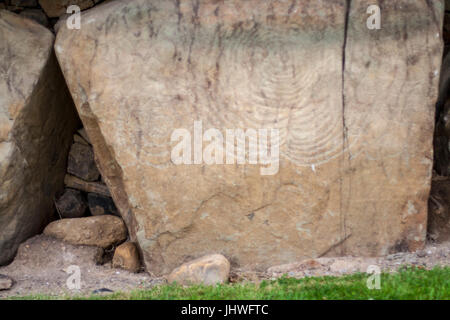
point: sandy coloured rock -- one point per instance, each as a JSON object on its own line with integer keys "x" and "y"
{"x": 126, "y": 256}
{"x": 37, "y": 121}
{"x": 208, "y": 270}
{"x": 100, "y": 231}
{"x": 355, "y": 128}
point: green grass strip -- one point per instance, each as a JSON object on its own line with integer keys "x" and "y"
{"x": 409, "y": 283}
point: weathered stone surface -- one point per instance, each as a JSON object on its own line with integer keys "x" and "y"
{"x": 126, "y": 256}
{"x": 71, "y": 204}
{"x": 57, "y": 8}
{"x": 388, "y": 113}
{"x": 37, "y": 120}
{"x": 36, "y": 15}
{"x": 355, "y": 126}
{"x": 82, "y": 163}
{"x": 100, "y": 205}
{"x": 100, "y": 231}
{"x": 6, "y": 282}
{"x": 208, "y": 270}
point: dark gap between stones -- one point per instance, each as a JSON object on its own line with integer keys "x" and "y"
{"x": 438, "y": 229}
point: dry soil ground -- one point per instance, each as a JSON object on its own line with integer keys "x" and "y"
{"x": 42, "y": 263}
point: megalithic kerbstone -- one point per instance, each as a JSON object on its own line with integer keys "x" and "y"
{"x": 353, "y": 107}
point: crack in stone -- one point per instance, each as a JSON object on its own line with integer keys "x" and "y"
{"x": 334, "y": 246}
{"x": 344, "y": 125}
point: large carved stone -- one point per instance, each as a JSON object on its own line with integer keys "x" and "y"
{"x": 354, "y": 107}
{"x": 37, "y": 120}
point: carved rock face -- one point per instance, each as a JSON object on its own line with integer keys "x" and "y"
{"x": 37, "y": 120}
{"x": 353, "y": 108}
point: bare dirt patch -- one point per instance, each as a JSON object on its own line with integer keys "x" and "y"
{"x": 41, "y": 264}
{"x": 434, "y": 254}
